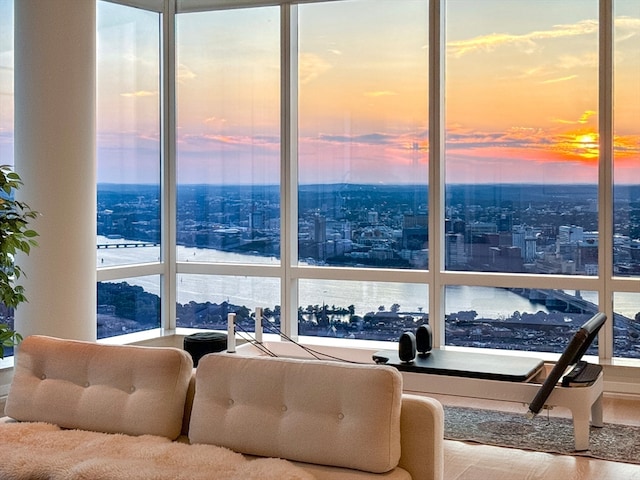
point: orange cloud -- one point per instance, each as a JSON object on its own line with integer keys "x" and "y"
{"x": 140, "y": 93}
{"x": 527, "y": 41}
{"x": 626, "y": 148}
{"x": 561, "y": 79}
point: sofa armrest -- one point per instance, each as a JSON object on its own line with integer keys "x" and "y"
{"x": 422, "y": 437}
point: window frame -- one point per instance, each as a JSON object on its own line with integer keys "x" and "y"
{"x": 436, "y": 277}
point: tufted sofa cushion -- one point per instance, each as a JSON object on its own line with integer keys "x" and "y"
{"x": 320, "y": 412}
{"x": 105, "y": 388}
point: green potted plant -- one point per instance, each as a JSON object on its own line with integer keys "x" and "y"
{"x": 15, "y": 236}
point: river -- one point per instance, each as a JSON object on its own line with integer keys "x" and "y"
{"x": 366, "y": 297}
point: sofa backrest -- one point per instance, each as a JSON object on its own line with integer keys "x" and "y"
{"x": 321, "y": 412}
{"x": 106, "y": 388}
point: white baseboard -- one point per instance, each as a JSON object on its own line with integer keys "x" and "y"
{"x": 621, "y": 388}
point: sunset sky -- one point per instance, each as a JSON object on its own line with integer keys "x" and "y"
{"x": 521, "y": 94}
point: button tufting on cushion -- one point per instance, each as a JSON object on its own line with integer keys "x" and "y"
{"x": 88, "y": 386}
{"x": 313, "y": 398}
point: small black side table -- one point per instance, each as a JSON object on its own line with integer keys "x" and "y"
{"x": 201, "y": 343}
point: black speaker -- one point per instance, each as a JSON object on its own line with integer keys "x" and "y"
{"x": 424, "y": 339}
{"x": 407, "y": 347}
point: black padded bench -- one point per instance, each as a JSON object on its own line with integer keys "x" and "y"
{"x": 486, "y": 366}
{"x": 511, "y": 378}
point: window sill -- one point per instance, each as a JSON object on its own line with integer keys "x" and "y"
{"x": 6, "y": 363}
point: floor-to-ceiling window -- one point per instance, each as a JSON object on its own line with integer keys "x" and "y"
{"x": 6, "y": 82}
{"x": 362, "y": 168}
{"x": 304, "y": 166}
{"x": 228, "y": 197}
{"x": 129, "y": 169}
{"x": 521, "y": 169}
{"x": 626, "y": 178}
{"x": 6, "y": 112}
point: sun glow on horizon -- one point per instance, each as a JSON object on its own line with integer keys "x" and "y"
{"x": 585, "y": 145}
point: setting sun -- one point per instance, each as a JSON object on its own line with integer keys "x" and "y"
{"x": 587, "y": 140}
{"x": 586, "y": 145}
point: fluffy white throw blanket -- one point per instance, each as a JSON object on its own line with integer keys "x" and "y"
{"x": 41, "y": 451}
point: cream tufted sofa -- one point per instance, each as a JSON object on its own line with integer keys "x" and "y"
{"x": 324, "y": 420}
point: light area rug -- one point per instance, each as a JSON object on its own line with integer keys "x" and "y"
{"x": 620, "y": 443}
{"x": 40, "y": 451}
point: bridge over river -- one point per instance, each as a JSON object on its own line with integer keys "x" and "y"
{"x": 127, "y": 245}
{"x": 561, "y": 301}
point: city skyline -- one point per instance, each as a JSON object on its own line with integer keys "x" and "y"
{"x": 535, "y": 230}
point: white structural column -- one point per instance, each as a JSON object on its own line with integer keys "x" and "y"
{"x": 55, "y": 84}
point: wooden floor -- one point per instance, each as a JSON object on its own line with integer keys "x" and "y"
{"x": 465, "y": 461}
